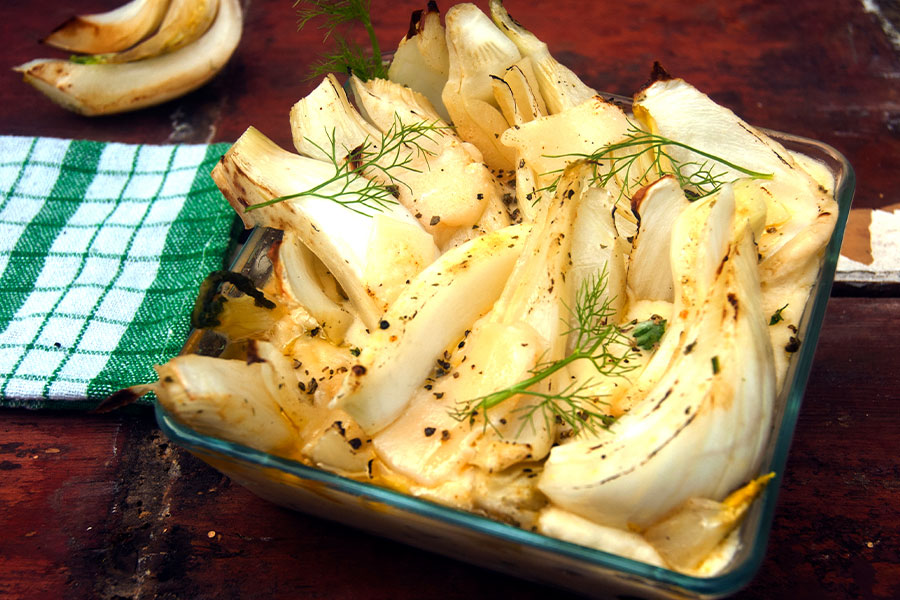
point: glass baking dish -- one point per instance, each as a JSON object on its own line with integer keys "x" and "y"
{"x": 496, "y": 545}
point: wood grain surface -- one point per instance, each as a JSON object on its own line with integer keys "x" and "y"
{"x": 105, "y": 507}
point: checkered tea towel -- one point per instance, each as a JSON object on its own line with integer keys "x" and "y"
{"x": 102, "y": 249}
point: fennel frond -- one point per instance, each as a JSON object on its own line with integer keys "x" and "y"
{"x": 348, "y": 57}
{"x": 397, "y": 148}
{"x": 625, "y": 162}
{"x": 573, "y": 405}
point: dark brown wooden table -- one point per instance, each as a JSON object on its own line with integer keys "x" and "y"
{"x": 105, "y": 507}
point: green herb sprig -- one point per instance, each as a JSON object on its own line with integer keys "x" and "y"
{"x": 776, "y": 316}
{"x": 647, "y": 333}
{"x": 698, "y": 179}
{"x": 355, "y": 169}
{"x": 348, "y": 57}
{"x": 573, "y": 405}
{"x": 89, "y": 59}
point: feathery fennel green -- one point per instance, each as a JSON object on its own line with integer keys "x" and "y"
{"x": 348, "y": 56}
{"x": 595, "y": 336}
{"x": 698, "y": 179}
{"x": 396, "y": 149}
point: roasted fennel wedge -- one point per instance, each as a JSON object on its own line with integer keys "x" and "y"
{"x": 198, "y": 42}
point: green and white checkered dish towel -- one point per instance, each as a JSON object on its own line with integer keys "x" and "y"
{"x": 102, "y": 249}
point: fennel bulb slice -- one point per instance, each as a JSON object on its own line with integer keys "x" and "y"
{"x": 699, "y": 430}
{"x": 422, "y": 62}
{"x": 432, "y": 312}
{"x": 478, "y": 50}
{"x": 559, "y": 86}
{"x": 256, "y": 170}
